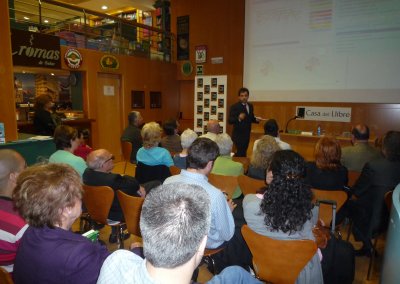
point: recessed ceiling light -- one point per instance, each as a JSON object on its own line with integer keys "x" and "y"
{"x": 104, "y": 7}
{"x": 52, "y": 74}
{"x": 26, "y": 18}
{"x": 46, "y": 21}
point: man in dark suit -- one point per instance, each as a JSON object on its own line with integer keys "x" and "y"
{"x": 132, "y": 133}
{"x": 241, "y": 116}
{"x": 379, "y": 176}
{"x": 98, "y": 173}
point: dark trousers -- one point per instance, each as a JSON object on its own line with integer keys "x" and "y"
{"x": 241, "y": 147}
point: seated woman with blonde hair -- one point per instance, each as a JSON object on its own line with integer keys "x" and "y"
{"x": 49, "y": 197}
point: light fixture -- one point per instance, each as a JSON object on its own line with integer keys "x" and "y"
{"x": 26, "y": 18}
{"x": 52, "y": 74}
{"x": 104, "y": 7}
{"x": 46, "y": 21}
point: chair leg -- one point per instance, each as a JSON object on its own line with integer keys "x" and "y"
{"x": 120, "y": 237}
{"x": 371, "y": 260}
{"x": 126, "y": 163}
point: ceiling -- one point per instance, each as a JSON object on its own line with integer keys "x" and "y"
{"x": 113, "y": 5}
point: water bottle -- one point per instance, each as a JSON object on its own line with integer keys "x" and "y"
{"x": 319, "y": 130}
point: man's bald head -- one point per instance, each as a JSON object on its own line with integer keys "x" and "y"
{"x": 213, "y": 126}
{"x": 11, "y": 164}
{"x": 360, "y": 132}
{"x": 96, "y": 159}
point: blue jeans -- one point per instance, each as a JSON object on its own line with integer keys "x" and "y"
{"x": 234, "y": 275}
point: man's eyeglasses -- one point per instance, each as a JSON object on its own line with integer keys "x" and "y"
{"x": 109, "y": 159}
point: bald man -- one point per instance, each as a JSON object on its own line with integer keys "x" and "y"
{"x": 213, "y": 129}
{"x": 354, "y": 157}
{"x": 12, "y": 226}
{"x": 98, "y": 173}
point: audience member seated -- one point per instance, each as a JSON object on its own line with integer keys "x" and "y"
{"x": 174, "y": 222}
{"x": 271, "y": 128}
{"x": 201, "y": 156}
{"x": 261, "y": 157}
{"x": 100, "y": 164}
{"x": 83, "y": 149}
{"x": 213, "y": 130}
{"x": 132, "y": 133}
{"x": 67, "y": 140}
{"x": 224, "y": 165}
{"x": 12, "y": 225}
{"x": 153, "y": 162}
{"x": 49, "y": 198}
{"x": 285, "y": 211}
{"x": 171, "y": 141}
{"x": 327, "y": 172}
{"x": 43, "y": 120}
{"x": 377, "y": 177}
{"x": 187, "y": 138}
{"x": 354, "y": 157}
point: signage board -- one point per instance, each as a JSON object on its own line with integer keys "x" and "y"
{"x": 35, "y": 49}
{"x": 340, "y": 114}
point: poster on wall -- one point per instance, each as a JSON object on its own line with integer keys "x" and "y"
{"x": 182, "y": 38}
{"x": 209, "y": 102}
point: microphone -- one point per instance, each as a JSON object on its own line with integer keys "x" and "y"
{"x": 293, "y": 118}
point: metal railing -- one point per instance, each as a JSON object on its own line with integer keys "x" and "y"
{"x": 89, "y": 29}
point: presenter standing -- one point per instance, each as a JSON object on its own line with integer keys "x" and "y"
{"x": 241, "y": 116}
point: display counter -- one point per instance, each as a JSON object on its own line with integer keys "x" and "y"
{"x": 33, "y": 151}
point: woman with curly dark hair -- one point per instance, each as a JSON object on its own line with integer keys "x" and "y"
{"x": 285, "y": 210}
{"x": 326, "y": 172}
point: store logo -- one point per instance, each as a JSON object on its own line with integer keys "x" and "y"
{"x": 73, "y": 58}
{"x": 109, "y": 62}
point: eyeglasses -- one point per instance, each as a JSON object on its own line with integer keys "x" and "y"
{"x": 109, "y": 159}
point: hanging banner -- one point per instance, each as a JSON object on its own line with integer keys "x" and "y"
{"x": 35, "y": 49}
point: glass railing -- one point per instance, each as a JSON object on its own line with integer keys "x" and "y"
{"x": 118, "y": 34}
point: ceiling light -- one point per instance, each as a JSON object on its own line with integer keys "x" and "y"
{"x": 26, "y": 18}
{"x": 52, "y": 74}
{"x": 104, "y": 7}
{"x": 46, "y": 21}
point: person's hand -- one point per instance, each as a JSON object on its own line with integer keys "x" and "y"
{"x": 232, "y": 205}
{"x": 142, "y": 191}
{"x": 242, "y": 116}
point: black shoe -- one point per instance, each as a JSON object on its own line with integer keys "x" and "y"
{"x": 364, "y": 251}
{"x": 114, "y": 239}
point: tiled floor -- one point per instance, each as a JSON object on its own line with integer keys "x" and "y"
{"x": 204, "y": 275}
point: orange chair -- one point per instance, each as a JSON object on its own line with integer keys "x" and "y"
{"x": 352, "y": 177}
{"x": 126, "y": 147}
{"x": 174, "y": 170}
{"x": 5, "y": 277}
{"x": 227, "y": 184}
{"x": 278, "y": 261}
{"x": 249, "y": 185}
{"x": 98, "y": 201}
{"x": 131, "y": 207}
{"x": 325, "y": 211}
{"x": 245, "y": 162}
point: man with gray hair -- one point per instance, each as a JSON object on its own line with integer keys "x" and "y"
{"x": 354, "y": 157}
{"x": 213, "y": 129}
{"x": 98, "y": 173}
{"x": 174, "y": 223}
{"x": 132, "y": 133}
{"x": 12, "y": 225}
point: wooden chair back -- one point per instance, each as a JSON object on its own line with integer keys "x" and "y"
{"x": 325, "y": 210}
{"x": 131, "y": 207}
{"x": 278, "y": 261}
{"x": 174, "y": 170}
{"x": 5, "y": 277}
{"x": 388, "y": 200}
{"x": 352, "y": 178}
{"x": 98, "y": 201}
{"x": 226, "y": 184}
{"x": 250, "y": 185}
{"x": 245, "y": 162}
{"x": 126, "y": 147}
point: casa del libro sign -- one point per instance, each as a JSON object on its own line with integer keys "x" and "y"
{"x": 35, "y": 49}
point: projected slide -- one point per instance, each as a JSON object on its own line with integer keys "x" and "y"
{"x": 313, "y": 50}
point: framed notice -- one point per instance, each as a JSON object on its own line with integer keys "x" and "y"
{"x": 209, "y": 102}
